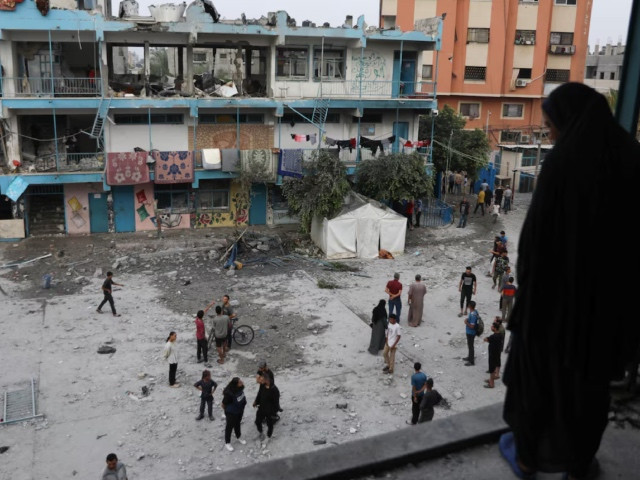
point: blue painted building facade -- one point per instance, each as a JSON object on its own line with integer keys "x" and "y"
{"x": 80, "y": 86}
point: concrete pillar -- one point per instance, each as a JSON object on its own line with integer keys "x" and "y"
{"x": 8, "y": 61}
{"x": 188, "y": 81}
{"x": 147, "y": 68}
{"x": 12, "y": 140}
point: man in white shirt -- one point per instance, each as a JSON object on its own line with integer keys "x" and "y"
{"x": 393, "y": 335}
{"x": 115, "y": 469}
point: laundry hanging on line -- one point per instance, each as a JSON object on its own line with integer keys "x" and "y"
{"x": 312, "y": 137}
{"x": 417, "y": 144}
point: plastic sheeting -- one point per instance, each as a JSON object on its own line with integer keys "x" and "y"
{"x": 360, "y": 230}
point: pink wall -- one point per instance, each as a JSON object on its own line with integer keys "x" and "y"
{"x": 78, "y": 221}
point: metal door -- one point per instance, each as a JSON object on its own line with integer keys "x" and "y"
{"x": 258, "y": 209}
{"x": 98, "y": 214}
{"x": 123, "y": 210}
{"x": 404, "y": 77}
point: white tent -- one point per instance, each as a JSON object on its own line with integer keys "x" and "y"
{"x": 361, "y": 229}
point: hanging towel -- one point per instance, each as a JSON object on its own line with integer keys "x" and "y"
{"x": 313, "y": 138}
{"x": 230, "y": 158}
{"x": 331, "y": 142}
{"x": 211, "y": 159}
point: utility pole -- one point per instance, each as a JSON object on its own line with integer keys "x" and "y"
{"x": 537, "y": 165}
{"x": 444, "y": 179}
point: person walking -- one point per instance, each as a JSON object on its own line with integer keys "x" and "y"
{"x": 265, "y": 370}
{"x": 233, "y": 404}
{"x": 267, "y": 403}
{"x": 488, "y": 197}
{"x": 394, "y": 290}
{"x": 508, "y": 295}
{"x": 471, "y": 323}
{"x": 228, "y": 310}
{"x": 458, "y": 183}
{"x": 464, "y": 212}
{"x": 201, "y": 336}
{"x": 495, "y": 341}
{"x": 452, "y": 180}
{"x": 220, "y": 331}
{"x": 480, "y": 202}
{"x": 467, "y": 288}
{"x": 418, "y": 387}
{"x": 409, "y": 214}
{"x": 497, "y": 196}
{"x": 501, "y": 264}
{"x": 115, "y": 469}
{"x": 508, "y": 193}
{"x": 418, "y": 210}
{"x": 171, "y": 356}
{"x": 107, "y": 287}
{"x": 378, "y": 327}
{"x": 416, "y": 293}
{"x": 207, "y": 388}
{"x": 393, "y": 335}
{"x": 558, "y": 379}
{"x": 430, "y": 399}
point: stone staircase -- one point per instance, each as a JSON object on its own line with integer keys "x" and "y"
{"x": 46, "y": 215}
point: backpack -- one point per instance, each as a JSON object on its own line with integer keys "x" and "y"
{"x": 479, "y": 325}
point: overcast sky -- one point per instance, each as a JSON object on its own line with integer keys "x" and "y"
{"x": 609, "y": 20}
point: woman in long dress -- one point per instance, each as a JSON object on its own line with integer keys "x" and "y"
{"x": 417, "y": 291}
{"x": 378, "y": 327}
{"x": 568, "y": 347}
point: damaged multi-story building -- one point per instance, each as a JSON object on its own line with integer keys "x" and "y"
{"x": 114, "y": 121}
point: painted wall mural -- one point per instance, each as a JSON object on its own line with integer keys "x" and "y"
{"x": 237, "y": 214}
{"x": 373, "y": 67}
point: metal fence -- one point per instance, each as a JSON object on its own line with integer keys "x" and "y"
{"x": 48, "y": 87}
{"x": 436, "y": 213}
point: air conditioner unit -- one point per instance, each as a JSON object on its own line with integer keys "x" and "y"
{"x": 521, "y": 82}
{"x": 525, "y": 138}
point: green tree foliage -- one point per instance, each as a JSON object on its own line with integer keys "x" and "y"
{"x": 394, "y": 177}
{"x": 474, "y": 144}
{"x": 320, "y": 192}
{"x": 159, "y": 62}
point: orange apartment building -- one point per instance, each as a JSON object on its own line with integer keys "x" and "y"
{"x": 499, "y": 58}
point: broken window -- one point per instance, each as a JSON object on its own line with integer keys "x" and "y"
{"x": 331, "y": 62}
{"x": 292, "y": 62}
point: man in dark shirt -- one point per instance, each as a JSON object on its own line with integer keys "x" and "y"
{"x": 268, "y": 403}
{"x": 394, "y": 290}
{"x": 429, "y": 399}
{"x": 264, "y": 369}
{"x": 464, "y": 212}
{"x": 106, "y": 289}
{"x": 495, "y": 341}
{"x": 466, "y": 288}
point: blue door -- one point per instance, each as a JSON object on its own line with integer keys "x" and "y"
{"x": 400, "y": 129}
{"x": 258, "y": 209}
{"x": 123, "y": 210}
{"x": 98, "y": 214}
{"x": 404, "y": 77}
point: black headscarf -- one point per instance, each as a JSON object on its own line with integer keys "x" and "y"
{"x": 575, "y": 326}
{"x": 379, "y": 312}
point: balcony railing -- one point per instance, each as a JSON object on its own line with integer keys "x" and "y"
{"x": 562, "y": 49}
{"x": 377, "y": 89}
{"x": 51, "y": 87}
{"x": 63, "y": 162}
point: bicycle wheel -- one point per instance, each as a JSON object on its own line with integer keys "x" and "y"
{"x": 243, "y": 335}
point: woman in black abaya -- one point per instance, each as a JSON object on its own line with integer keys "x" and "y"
{"x": 571, "y": 333}
{"x": 378, "y": 327}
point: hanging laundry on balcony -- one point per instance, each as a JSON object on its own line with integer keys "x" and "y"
{"x": 373, "y": 145}
{"x": 313, "y": 138}
{"x": 259, "y": 159}
{"x": 211, "y": 159}
{"x": 418, "y": 144}
{"x": 174, "y": 167}
{"x": 290, "y": 164}
{"x": 127, "y": 168}
{"x": 230, "y": 157}
{"x": 388, "y": 141}
{"x": 299, "y": 138}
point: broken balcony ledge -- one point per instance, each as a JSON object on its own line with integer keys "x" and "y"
{"x": 392, "y": 450}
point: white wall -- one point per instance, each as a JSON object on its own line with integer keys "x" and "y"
{"x": 123, "y": 138}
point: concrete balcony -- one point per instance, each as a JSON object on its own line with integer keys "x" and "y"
{"x": 30, "y": 87}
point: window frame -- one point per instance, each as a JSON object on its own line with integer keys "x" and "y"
{"x": 212, "y": 191}
{"x": 245, "y": 118}
{"x": 468, "y": 114}
{"x": 145, "y": 119}
{"x": 516, "y": 133}
{"x": 475, "y": 35}
{"x": 562, "y": 40}
{"x": 430, "y": 76}
{"x": 318, "y": 53}
{"x": 281, "y": 67}
{"x": 567, "y": 3}
{"x": 559, "y": 75}
{"x": 173, "y": 191}
{"x": 523, "y": 37}
{"x": 468, "y": 77}
{"x": 504, "y": 110}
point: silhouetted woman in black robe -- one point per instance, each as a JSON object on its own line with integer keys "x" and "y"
{"x": 572, "y": 330}
{"x": 378, "y": 327}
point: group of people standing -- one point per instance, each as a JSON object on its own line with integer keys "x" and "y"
{"x": 411, "y": 209}
{"x": 495, "y": 202}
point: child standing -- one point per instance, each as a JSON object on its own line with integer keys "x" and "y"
{"x": 208, "y": 387}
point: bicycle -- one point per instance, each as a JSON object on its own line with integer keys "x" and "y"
{"x": 242, "y": 334}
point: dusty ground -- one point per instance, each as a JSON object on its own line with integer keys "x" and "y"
{"x": 314, "y": 339}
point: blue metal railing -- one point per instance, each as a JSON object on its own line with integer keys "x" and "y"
{"x": 436, "y": 213}
{"x": 48, "y": 86}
